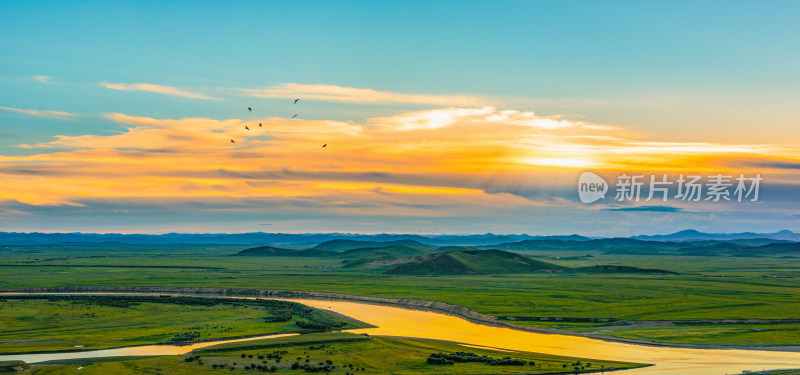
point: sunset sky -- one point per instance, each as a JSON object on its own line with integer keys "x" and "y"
{"x": 439, "y": 117}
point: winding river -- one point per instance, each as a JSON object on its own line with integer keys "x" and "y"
{"x": 400, "y": 322}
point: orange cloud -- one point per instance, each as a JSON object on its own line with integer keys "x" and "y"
{"x": 333, "y": 93}
{"x": 159, "y": 89}
{"x": 453, "y": 157}
{"x": 38, "y": 113}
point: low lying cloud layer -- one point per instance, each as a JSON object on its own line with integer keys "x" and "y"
{"x": 440, "y": 163}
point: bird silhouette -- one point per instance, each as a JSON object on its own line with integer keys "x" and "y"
{"x": 325, "y": 145}
{"x": 246, "y": 127}
{"x": 232, "y": 141}
{"x": 249, "y": 109}
{"x": 296, "y": 100}
{"x": 259, "y": 125}
{"x": 294, "y": 116}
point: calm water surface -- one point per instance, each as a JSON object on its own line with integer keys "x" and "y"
{"x": 395, "y": 321}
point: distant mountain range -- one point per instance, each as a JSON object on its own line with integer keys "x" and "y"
{"x": 693, "y": 235}
{"x": 257, "y": 238}
{"x": 344, "y": 241}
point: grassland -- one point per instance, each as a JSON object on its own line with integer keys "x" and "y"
{"x": 83, "y": 322}
{"x": 349, "y": 353}
{"x": 731, "y": 334}
{"x": 706, "y": 288}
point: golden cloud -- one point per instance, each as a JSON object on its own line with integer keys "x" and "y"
{"x": 442, "y": 157}
{"x": 159, "y": 89}
{"x": 333, "y": 93}
{"x": 39, "y": 113}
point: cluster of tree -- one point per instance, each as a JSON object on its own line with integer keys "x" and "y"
{"x": 278, "y": 316}
{"x": 261, "y": 368}
{"x": 304, "y": 319}
{"x": 184, "y": 337}
{"x": 326, "y": 366}
{"x": 277, "y": 354}
{"x": 193, "y": 359}
{"x": 432, "y": 360}
{"x": 578, "y": 366}
{"x": 110, "y": 301}
{"x": 462, "y": 357}
{"x": 307, "y": 367}
{"x": 277, "y": 311}
{"x": 311, "y": 324}
{"x": 272, "y": 306}
{"x": 318, "y": 322}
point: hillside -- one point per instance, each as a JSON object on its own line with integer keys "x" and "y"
{"x": 714, "y": 249}
{"x": 392, "y": 250}
{"x": 269, "y": 251}
{"x": 344, "y": 245}
{"x": 379, "y": 257}
{"x": 738, "y": 249}
{"x": 694, "y": 235}
{"x": 602, "y": 244}
{"x": 479, "y": 262}
{"x": 632, "y": 246}
{"x": 623, "y": 269}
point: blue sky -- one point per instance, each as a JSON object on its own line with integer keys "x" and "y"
{"x": 718, "y": 74}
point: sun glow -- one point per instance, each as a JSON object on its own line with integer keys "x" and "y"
{"x": 445, "y": 153}
{"x": 560, "y": 162}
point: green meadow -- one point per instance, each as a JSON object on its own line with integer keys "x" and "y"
{"x": 60, "y": 323}
{"x": 706, "y": 288}
{"x": 730, "y": 334}
{"x": 335, "y": 353}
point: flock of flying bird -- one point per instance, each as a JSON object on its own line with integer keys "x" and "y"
{"x": 250, "y": 109}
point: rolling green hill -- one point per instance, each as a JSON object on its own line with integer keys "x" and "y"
{"x": 269, "y": 251}
{"x": 741, "y": 250}
{"x": 392, "y": 250}
{"x": 378, "y": 257}
{"x": 777, "y": 248}
{"x": 479, "y": 262}
{"x": 631, "y": 246}
{"x": 715, "y": 249}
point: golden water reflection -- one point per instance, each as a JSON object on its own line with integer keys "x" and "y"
{"x": 394, "y": 321}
